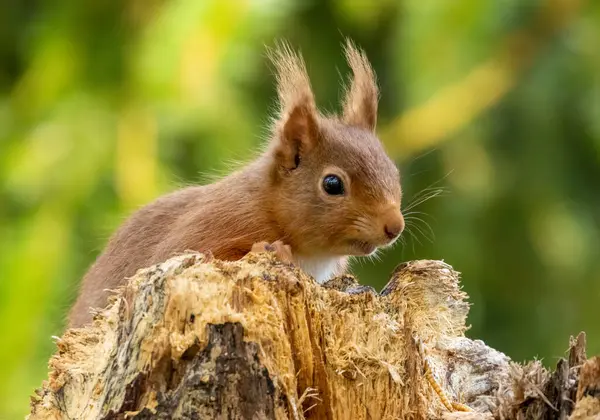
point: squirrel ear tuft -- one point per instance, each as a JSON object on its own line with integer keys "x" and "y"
{"x": 297, "y": 129}
{"x": 362, "y": 96}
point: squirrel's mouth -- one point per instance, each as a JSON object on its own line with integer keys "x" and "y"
{"x": 363, "y": 247}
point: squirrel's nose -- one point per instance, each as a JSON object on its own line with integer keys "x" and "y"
{"x": 393, "y": 228}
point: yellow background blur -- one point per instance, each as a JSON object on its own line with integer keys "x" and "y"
{"x": 105, "y": 105}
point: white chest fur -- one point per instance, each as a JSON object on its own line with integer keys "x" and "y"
{"x": 321, "y": 268}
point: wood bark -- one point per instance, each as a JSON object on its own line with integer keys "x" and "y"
{"x": 199, "y": 338}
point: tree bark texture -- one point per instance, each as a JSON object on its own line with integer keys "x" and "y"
{"x": 199, "y": 338}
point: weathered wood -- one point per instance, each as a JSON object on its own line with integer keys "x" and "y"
{"x": 588, "y": 391}
{"x": 199, "y": 338}
{"x": 539, "y": 394}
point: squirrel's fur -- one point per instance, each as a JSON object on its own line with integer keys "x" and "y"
{"x": 278, "y": 198}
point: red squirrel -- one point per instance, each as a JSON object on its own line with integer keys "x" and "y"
{"x": 323, "y": 190}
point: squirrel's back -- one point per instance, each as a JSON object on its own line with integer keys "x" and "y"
{"x": 196, "y": 218}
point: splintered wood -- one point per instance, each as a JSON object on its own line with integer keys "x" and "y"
{"x": 199, "y": 338}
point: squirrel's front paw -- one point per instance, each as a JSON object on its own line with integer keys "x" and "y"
{"x": 282, "y": 251}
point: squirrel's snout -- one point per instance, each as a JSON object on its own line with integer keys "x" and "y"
{"x": 394, "y": 227}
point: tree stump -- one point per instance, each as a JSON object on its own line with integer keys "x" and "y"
{"x": 199, "y": 338}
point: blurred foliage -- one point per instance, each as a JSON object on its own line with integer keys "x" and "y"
{"x": 105, "y": 105}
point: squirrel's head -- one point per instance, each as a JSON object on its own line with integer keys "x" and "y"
{"x": 335, "y": 188}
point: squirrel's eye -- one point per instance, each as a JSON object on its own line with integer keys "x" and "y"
{"x": 333, "y": 185}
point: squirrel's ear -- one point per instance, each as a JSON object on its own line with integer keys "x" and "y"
{"x": 362, "y": 96}
{"x": 297, "y": 128}
{"x": 297, "y": 136}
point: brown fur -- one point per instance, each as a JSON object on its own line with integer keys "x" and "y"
{"x": 360, "y": 104}
{"x": 278, "y": 197}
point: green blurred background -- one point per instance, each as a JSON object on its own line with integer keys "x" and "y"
{"x": 105, "y": 105}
